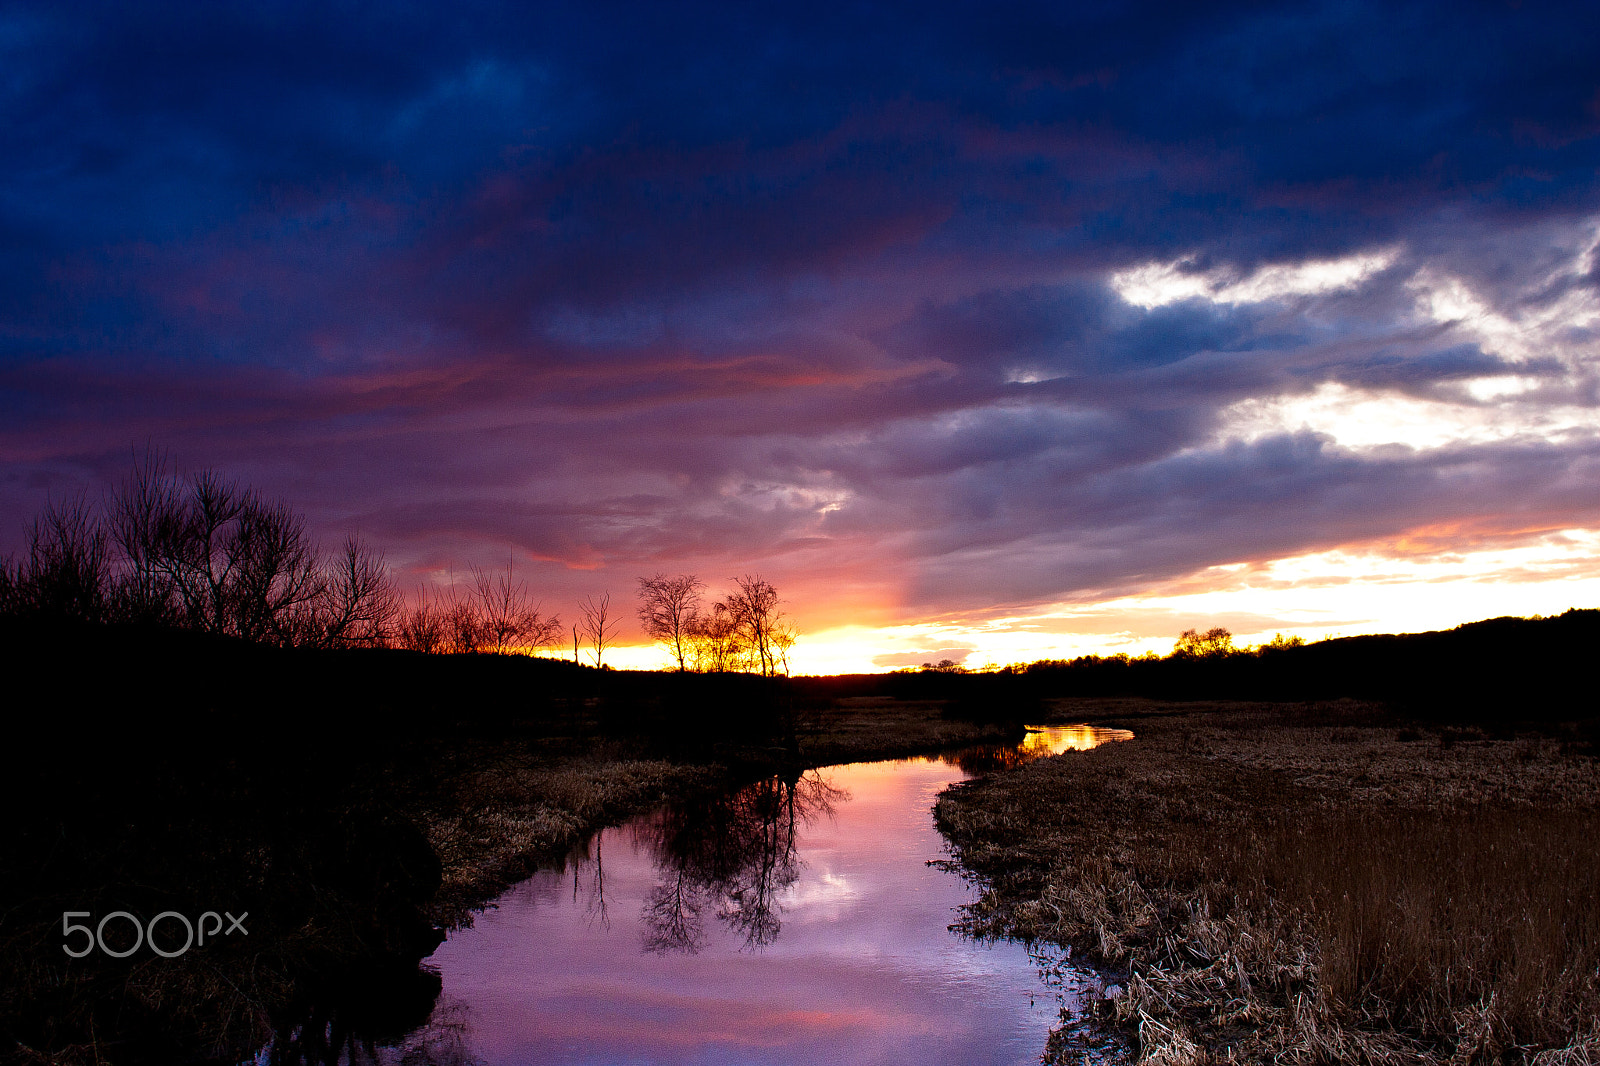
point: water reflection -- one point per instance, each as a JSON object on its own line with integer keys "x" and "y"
{"x": 358, "y": 1014}
{"x": 732, "y": 854}
{"x": 1055, "y": 739}
{"x": 1038, "y": 742}
{"x": 797, "y": 919}
{"x": 440, "y": 1040}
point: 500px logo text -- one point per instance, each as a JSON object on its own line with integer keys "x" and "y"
{"x": 143, "y": 933}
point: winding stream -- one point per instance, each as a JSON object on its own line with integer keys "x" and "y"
{"x": 789, "y": 922}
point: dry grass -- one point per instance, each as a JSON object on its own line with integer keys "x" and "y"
{"x": 509, "y": 810}
{"x": 860, "y": 728}
{"x": 1422, "y": 913}
{"x": 1276, "y": 885}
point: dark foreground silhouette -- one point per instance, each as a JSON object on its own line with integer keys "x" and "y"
{"x": 149, "y": 770}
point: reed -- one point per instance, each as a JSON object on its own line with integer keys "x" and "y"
{"x": 1304, "y": 885}
{"x": 1421, "y": 916}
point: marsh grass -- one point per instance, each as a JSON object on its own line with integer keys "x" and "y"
{"x": 1302, "y": 885}
{"x": 508, "y": 812}
{"x": 874, "y": 727}
{"x": 1420, "y": 916}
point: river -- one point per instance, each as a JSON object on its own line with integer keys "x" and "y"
{"x": 801, "y": 921}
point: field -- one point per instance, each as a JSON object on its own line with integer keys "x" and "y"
{"x": 1303, "y": 883}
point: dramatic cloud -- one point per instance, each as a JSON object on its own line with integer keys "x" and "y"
{"x": 933, "y": 316}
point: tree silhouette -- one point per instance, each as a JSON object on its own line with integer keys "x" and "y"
{"x": 760, "y": 624}
{"x": 201, "y": 553}
{"x": 669, "y": 609}
{"x": 359, "y": 608}
{"x": 599, "y": 628}
{"x": 495, "y": 614}
{"x": 507, "y": 620}
{"x": 422, "y": 628}
{"x": 66, "y": 573}
{"x": 1213, "y": 643}
{"x": 714, "y": 641}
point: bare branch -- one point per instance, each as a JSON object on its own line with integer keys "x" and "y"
{"x": 598, "y": 627}
{"x": 66, "y": 574}
{"x": 669, "y": 608}
{"x": 422, "y": 628}
{"x": 714, "y": 641}
{"x": 761, "y": 625}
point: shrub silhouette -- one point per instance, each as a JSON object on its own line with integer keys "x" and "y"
{"x": 200, "y": 553}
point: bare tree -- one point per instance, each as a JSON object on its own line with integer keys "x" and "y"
{"x": 422, "y": 628}
{"x": 761, "y": 625}
{"x": 500, "y": 601}
{"x": 541, "y": 631}
{"x": 714, "y": 641}
{"x": 599, "y": 628}
{"x": 66, "y": 574}
{"x": 214, "y": 556}
{"x": 784, "y": 635}
{"x": 360, "y": 609}
{"x": 508, "y": 620}
{"x": 148, "y": 524}
{"x": 11, "y": 588}
{"x": 280, "y": 591}
{"x": 669, "y": 608}
{"x": 201, "y": 553}
{"x": 463, "y": 629}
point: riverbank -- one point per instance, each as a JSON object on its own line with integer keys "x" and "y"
{"x": 1303, "y": 883}
{"x": 501, "y": 810}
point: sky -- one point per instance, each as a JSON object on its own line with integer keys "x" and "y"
{"x": 984, "y": 332}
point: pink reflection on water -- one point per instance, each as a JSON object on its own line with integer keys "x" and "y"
{"x": 860, "y": 966}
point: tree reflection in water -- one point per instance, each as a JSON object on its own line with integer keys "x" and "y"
{"x": 392, "y": 1025}
{"x": 731, "y": 855}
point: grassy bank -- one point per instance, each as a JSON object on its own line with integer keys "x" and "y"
{"x": 500, "y": 810}
{"x": 1304, "y": 883}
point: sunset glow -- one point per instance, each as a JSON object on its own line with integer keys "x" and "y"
{"x": 1055, "y": 338}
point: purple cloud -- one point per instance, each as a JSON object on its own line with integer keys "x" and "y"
{"x": 832, "y": 297}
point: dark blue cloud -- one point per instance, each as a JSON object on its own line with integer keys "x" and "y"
{"x": 1080, "y": 328}
{"x": 661, "y": 282}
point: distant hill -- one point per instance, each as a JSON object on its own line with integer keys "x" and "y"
{"x": 1526, "y": 669}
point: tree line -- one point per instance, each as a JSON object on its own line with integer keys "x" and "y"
{"x": 1192, "y": 645}
{"x": 205, "y": 553}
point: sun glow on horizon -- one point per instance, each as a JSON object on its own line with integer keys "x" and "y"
{"x": 1431, "y": 577}
{"x": 1408, "y": 584}
{"x": 1523, "y": 383}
